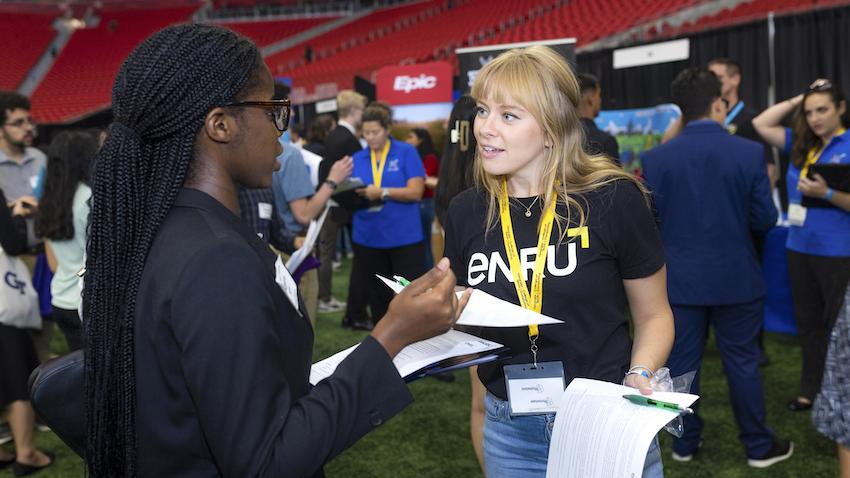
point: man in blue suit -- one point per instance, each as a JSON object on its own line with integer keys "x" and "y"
{"x": 711, "y": 190}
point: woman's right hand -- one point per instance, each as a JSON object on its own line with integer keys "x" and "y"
{"x": 425, "y": 308}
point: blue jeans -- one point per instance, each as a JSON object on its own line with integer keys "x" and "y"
{"x": 519, "y": 446}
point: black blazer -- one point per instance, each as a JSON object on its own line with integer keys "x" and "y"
{"x": 223, "y": 358}
{"x": 339, "y": 143}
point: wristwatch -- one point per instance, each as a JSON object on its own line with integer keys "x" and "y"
{"x": 333, "y": 184}
{"x": 385, "y": 194}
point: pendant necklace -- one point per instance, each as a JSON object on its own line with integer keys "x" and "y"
{"x": 528, "y": 209}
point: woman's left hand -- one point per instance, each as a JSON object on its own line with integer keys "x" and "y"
{"x": 639, "y": 382}
{"x": 815, "y": 187}
{"x": 371, "y": 192}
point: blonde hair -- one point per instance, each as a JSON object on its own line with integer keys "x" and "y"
{"x": 347, "y": 100}
{"x": 541, "y": 81}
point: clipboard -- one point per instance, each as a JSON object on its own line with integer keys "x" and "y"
{"x": 346, "y": 195}
{"x": 837, "y": 177}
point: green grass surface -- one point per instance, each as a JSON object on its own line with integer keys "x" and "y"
{"x": 431, "y": 437}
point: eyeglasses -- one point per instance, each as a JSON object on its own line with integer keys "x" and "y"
{"x": 820, "y": 85}
{"x": 278, "y": 110}
{"x": 20, "y": 122}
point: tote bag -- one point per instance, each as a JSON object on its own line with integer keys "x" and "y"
{"x": 18, "y": 298}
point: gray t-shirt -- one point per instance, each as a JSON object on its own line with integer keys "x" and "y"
{"x": 291, "y": 182}
{"x": 18, "y": 180}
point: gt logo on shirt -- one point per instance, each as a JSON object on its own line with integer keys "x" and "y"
{"x": 482, "y": 267}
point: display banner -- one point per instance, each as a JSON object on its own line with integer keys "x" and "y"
{"x": 415, "y": 84}
{"x": 637, "y": 130}
{"x": 472, "y": 59}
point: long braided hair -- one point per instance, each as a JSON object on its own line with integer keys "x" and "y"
{"x": 160, "y": 98}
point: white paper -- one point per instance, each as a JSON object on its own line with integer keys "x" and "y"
{"x": 298, "y": 256}
{"x": 485, "y": 310}
{"x": 600, "y": 434}
{"x": 415, "y": 356}
{"x": 286, "y": 283}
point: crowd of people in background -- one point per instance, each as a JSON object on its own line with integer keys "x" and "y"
{"x": 679, "y": 247}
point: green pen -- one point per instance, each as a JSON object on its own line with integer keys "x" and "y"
{"x": 649, "y": 402}
{"x": 401, "y": 280}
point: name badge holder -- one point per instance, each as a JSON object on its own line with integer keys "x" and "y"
{"x": 534, "y": 390}
{"x": 797, "y": 215}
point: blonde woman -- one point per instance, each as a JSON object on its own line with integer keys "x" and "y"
{"x": 599, "y": 251}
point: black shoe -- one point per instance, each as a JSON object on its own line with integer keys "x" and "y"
{"x": 797, "y": 406}
{"x": 781, "y": 450}
{"x": 25, "y": 470}
{"x": 365, "y": 325}
{"x": 345, "y": 323}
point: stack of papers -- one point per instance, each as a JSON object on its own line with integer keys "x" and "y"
{"x": 454, "y": 349}
{"x": 600, "y": 434}
{"x": 442, "y": 353}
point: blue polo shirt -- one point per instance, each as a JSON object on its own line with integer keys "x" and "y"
{"x": 826, "y": 231}
{"x": 397, "y": 223}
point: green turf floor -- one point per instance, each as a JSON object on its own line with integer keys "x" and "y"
{"x": 431, "y": 437}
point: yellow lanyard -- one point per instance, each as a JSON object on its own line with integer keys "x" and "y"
{"x": 378, "y": 169}
{"x": 814, "y": 155}
{"x": 532, "y": 300}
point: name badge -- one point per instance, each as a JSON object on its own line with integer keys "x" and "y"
{"x": 286, "y": 283}
{"x": 264, "y": 209}
{"x": 376, "y": 208}
{"x": 34, "y": 181}
{"x": 534, "y": 391}
{"x": 796, "y": 215}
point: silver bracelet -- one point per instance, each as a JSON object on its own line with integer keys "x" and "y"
{"x": 641, "y": 370}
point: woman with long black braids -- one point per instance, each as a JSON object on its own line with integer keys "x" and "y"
{"x": 198, "y": 348}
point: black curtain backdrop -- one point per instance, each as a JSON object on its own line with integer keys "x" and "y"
{"x": 809, "y": 46}
{"x": 649, "y": 85}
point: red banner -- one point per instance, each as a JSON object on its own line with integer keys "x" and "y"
{"x": 415, "y": 84}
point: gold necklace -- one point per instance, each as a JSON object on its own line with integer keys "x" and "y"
{"x": 528, "y": 209}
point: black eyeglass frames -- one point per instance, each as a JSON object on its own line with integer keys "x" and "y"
{"x": 278, "y": 110}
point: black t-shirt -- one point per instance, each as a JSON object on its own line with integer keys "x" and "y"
{"x": 742, "y": 125}
{"x": 583, "y": 283}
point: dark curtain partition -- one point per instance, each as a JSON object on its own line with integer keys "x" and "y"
{"x": 650, "y": 85}
{"x": 809, "y": 46}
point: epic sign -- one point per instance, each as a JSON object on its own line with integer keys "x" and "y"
{"x": 415, "y": 84}
{"x": 409, "y": 83}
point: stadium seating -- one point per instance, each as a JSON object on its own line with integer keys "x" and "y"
{"x": 379, "y": 22}
{"x": 27, "y": 35}
{"x": 589, "y": 20}
{"x": 80, "y": 80}
{"x": 755, "y": 10}
{"x": 265, "y": 33}
{"x": 419, "y": 41}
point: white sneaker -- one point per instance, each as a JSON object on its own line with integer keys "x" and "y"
{"x": 328, "y": 307}
{"x": 685, "y": 458}
{"x": 781, "y": 450}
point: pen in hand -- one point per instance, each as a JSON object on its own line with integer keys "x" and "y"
{"x": 401, "y": 280}
{"x": 649, "y": 402}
